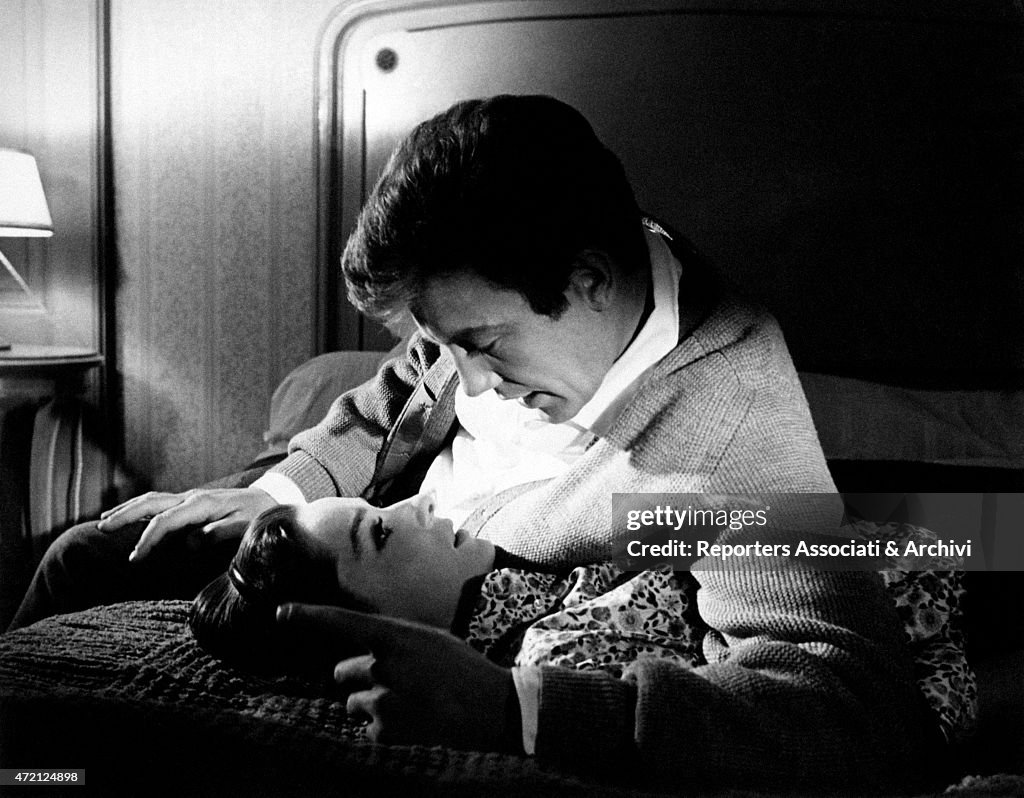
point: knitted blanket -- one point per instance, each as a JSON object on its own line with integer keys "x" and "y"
{"x": 126, "y": 693}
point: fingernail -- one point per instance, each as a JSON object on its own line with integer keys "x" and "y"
{"x": 284, "y": 611}
{"x": 133, "y": 555}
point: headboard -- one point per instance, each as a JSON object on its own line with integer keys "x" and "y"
{"x": 857, "y": 166}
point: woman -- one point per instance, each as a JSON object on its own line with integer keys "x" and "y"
{"x": 404, "y": 561}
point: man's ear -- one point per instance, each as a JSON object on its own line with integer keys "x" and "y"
{"x": 592, "y": 279}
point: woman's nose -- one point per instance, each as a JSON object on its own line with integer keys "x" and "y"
{"x": 474, "y": 374}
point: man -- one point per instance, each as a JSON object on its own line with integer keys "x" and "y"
{"x": 566, "y": 349}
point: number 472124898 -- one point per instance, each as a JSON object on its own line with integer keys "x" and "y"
{"x": 11, "y": 777}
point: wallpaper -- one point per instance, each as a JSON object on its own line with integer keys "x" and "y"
{"x": 213, "y": 130}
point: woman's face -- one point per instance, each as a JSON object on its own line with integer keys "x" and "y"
{"x": 401, "y": 559}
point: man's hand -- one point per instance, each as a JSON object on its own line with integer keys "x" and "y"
{"x": 421, "y": 684}
{"x": 222, "y": 513}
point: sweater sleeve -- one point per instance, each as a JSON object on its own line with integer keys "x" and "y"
{"x": 806, "y": 684}
{"x": 338, "y": 455}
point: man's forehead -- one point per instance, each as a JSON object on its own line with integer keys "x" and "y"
{"x": 464, "y": 307}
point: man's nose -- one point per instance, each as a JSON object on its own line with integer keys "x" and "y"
{"x": 474, "y": 374}
{"x": 422, "y": 507}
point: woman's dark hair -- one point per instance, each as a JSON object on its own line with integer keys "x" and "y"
{"x": 512, "y": 188}
{"x": 233, "y": 617}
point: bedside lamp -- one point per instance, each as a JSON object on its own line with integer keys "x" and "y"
{"x": 23, "y": 209}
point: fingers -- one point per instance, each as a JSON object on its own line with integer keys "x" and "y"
{"x": 356, "y": 673}
{"x": 376, "y": 705}
{"x": 144, "y": 506}
{"x": 225, "y": 529}
{"x": 198, "y": 508}
{"x": 421, "y": 684}
{"x": 222, "y": 513}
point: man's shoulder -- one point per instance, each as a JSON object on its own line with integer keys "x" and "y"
{"x": 731, "y": 373}
{"x": 738, "y": 340}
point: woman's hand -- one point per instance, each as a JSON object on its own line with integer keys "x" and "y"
{"x": 421, "y": 684}
{"x": 223, "y": 513}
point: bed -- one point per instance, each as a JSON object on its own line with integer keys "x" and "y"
{"x": 795, "y": 118}
{"x": 125, "y": 691}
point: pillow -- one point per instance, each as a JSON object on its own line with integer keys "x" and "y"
{"x": 863, "y": 420}
{"x": 307, "y": 392}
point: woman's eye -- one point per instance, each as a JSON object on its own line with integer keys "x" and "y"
{"x": 379, "y": 533}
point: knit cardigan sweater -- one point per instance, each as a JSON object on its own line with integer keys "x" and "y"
{"x": 806, "y": 682}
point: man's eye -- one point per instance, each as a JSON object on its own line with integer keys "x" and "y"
{"x": 487, "y": 349}
{"x": 379, "y": 533}
{"x": 471, "y": 349}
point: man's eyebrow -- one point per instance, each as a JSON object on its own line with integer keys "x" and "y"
{"x": 469, "y": 335}
{"x": 353, "y": 533}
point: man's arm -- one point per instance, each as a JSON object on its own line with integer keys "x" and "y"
{"x": 337, "y": 457}
{"x": 420, "y": 685}
{"x": 334, "y": 458}
{"x": 807, "y": 683}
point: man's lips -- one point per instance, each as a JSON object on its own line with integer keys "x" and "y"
{"x": 527, "y": 398}
{"x": 460, "y": 537}
{"x": 533, "y": 399}
{"x": 509, "y": 395}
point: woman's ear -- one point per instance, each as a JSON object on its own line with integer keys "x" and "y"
{"x": 593, "y": 279}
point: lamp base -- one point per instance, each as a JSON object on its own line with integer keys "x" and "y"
{"x": 4, "y": 346}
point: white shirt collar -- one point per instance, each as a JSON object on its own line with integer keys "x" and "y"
{"x": 658, "y": 337}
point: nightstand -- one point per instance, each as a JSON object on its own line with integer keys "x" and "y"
{"x": 53, "y": 470}
{"x": 64, "y": 368}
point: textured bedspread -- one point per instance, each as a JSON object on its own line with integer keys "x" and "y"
{"x": 126, "y": 693}
{"x": 143, "y": 651}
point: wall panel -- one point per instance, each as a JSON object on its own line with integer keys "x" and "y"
{"x": 212, "y": 121}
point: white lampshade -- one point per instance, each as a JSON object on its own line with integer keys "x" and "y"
{"x": 23, "y": 209}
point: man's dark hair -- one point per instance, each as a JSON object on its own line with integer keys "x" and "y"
{"x": 233, "y": 617}
{"x": 512, "y": 188}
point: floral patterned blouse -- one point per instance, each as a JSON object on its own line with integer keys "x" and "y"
{"x": 596, "y": 616}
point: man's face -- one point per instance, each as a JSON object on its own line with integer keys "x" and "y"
{"x": 551, "y": 365}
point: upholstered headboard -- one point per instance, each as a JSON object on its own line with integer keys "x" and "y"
{"x": 854, "y": 165}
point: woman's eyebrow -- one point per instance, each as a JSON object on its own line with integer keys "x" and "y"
{"x": 353, "y": 533}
